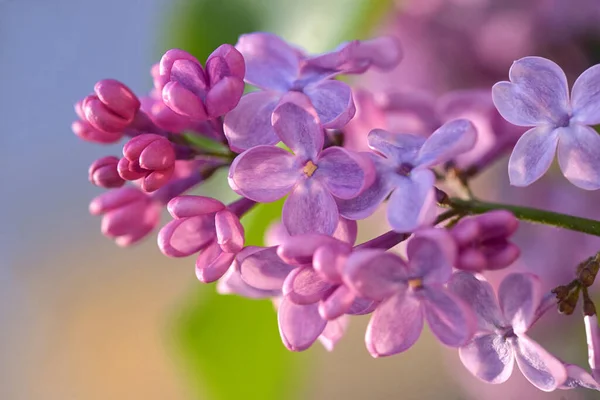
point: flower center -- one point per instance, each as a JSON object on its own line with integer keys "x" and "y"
{"x": 404, "y": 169}
{"x": 309, "y": 168}
{"x": 508, "y": 333}
{"x": 416, "y": 283}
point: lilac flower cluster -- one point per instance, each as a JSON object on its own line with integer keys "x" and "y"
{"x": 337, "y": 154}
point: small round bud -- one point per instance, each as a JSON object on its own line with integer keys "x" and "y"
{"x": 103, "y": 172}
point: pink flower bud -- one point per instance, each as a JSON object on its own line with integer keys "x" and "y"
{"x": 113, "y": 107}
{"x": 149, "y": 157}
{"x": 103, "y": 172}
{"x": 88, "y": 133}
{"x": 232, "y": 58}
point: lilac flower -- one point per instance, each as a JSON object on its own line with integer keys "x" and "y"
{"x": 103, "y": 172}
{"x": 314, "y": 177}
{"x": 198, "y": 93}
{"x": 112, "y": 108}
{"x": 128, "y": 214}
{"x": 483, "y": 241}
{"x": 149, "y": 157}
{"x": 501, "y": 338}
{"x": 537, "y": 95}
{"x": 277, "y": 68}
{"x": 409, "y": 293}
{"x": 405, "y": 172}
{"x": 204, "y": 225}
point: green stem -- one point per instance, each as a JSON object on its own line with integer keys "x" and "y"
{"x": 589, "y": 226}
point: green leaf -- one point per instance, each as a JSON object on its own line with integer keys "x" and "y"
{"x": 204, "y": 143}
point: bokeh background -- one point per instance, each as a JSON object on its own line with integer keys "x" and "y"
{"x": 83, "y": 319}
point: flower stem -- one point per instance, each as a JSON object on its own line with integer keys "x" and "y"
{"x": 589, "y": 226}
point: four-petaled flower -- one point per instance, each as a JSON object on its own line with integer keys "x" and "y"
{"x": 501, "y": 338}
{"x": 538, "y": 95}
{"x": 409, "y": 293}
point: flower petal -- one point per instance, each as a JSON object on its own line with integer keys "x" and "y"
{"x": 395, "y": 326}
{"x": 299, "y": 129}
{"x": 299, "y": 326}
{"x": 249, "y": 123}
{"x": 333, "y": 101}
{"x": 537, "y": 94}
{"x": 270, "y": 62}
{"x": 592, "y": 333}
{"x": 540, "y": 368}
{"x": 186, "y": 236}
{"x": 264, "y": 270}
{"x": 346, "y": 231}
{"x": 300, "y": 250}
{"x": 333, "y": 332}
{"x": 344, "y": 174}
{"x": 519, "y": 296}
{"x": 578, "y": 156}
{"x": 192, "y": 206}
{"x": 212, "y": 263}
{"x": 411, "y": 204}
{"x": 489, "y": 357}
{"x": 264, "y": 173}
{"x": 532, "y": 155}
{"x": 578, "y": 377}
{"x": 304, "y": 286}
{"x": 431, "y": 254}
{"x": 585, "y": 97}
{"x": 375, "y": 274}
{"x": 310, "y": 208}
{"x": 450, "y": 319}
{"x": 367, "y": 202}
{"x": 448, "y": 141}
{"x": 232, "y": 283}
{"x": 398, "y": 147}
{"x": 480, "y": 296}
{"x": 337, "y": 303}
{"x": 230, "y": 232}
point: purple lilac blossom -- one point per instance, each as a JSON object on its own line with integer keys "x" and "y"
{"x": 278, "y": 68}
{"x": 537, "y": 95}
{"x": 502, "y": 324}
{"x": 314, "y": 177}
{"x": 103, "y": 172}
{"x": 409, "y": 293}
{"x": 482, "y": 241}
{"x": 404, "y": 170}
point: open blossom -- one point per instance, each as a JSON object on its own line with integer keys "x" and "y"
{"x": 405, "y": 172}
{"x": 410, "y": 291}
{"x": 278, "y": 68}
{"x": 502, "y": 324}
{"x": 537, "y": 95}
{"x": 201, "y": 93}
{"x": 483, "y": 241}
{"x": 148, "y": 157}
{"x": 206, "y": 226}
{"x": 313, "y": 177}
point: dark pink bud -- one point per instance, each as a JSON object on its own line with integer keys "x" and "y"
{"x": 129, "y": 214}
{"x": 88, "y": 133}
{"x": 118, "y": 98}
{"x": 101, "y": 117}
{"x": 149, "y": 157}
{"x": 483, "y": 241}
{"x": 224, "y": 96}
{"x": 103, "y": 172}
{"x": 183, "y": 101}
{"x": 169, "y": 60}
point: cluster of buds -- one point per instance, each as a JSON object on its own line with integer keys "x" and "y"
{"x": 339, "y": 154}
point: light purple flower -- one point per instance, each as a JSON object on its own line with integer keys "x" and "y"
{"x": 409, "y": 293}
{"x": 313, "y": 177}
{"x": 483, "y": 241}
{"x": 278, "y": 68}
{"x": 537, "y": 95}
{"x": 198, "y": 93}
{"x": 103, "y": 172}
{"x": 206, "y": 226}
{"x": 501, "y": 338}
{"x": 592, "y": 332}
{"x": 405, "y": 172}
{"x": 149, "y": 157}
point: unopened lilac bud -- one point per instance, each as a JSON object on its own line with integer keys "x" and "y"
{"x": 103, "y": 172}
{"x": 148, "y": 156}
{"x": 224, "y": 96}
{"x": 483, "y": 241}
{"x": 112, "y": 108}
{"x": 88, "y": 133}
{"x": 383, "y": 52}
{"x": 231, "y": 57}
